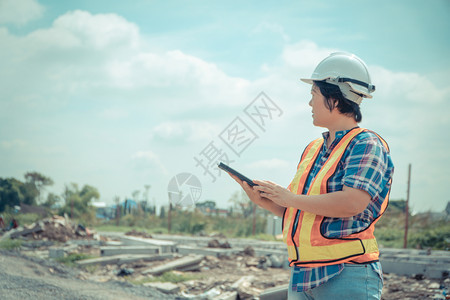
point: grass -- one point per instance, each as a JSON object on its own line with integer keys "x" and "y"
{"x": 10, "y": 244}
{"x": 70, "y": 259}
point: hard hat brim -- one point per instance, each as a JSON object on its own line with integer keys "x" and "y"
{"x": 354, "y": 87}
{"x": 308, "y": 80}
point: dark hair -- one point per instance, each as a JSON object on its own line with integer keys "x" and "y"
{"x": 334, "y": 98}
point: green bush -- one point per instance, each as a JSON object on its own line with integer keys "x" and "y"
{"x": 188, "y": 222}
{"x": 27, "y": 219}
{"x": 436, "y": 238}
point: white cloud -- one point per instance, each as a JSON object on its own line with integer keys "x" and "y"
{"x": 192, "y": 80}
{"x": 99, "y": 31}
{"x": 103, "y": 54}
{"x": 84, "y": 61}
{"x": 411, "y": 87}
{"x": 148, "y": 162}
{"x": 20, "y": 12}
{"x": 184, "y": 131}
{"x": 304, "y": 56}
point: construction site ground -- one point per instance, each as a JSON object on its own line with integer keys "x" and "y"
{"x": 31, "y": 273}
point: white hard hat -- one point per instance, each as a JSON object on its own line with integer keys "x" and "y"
{"x": 348, "y": 72}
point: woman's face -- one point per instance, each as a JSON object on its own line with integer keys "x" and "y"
{"x": 320, "y": 113}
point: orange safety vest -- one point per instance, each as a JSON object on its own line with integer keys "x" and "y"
{"x": 306, "y": 244}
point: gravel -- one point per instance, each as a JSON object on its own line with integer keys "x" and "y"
{"x": 23, "y": 277}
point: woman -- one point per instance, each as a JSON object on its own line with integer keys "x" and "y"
{"x": 340, "y": 190}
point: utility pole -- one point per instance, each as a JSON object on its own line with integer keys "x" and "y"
{"x": 405, "y": 240}
{"x": 254, "y": 219}
{"x": 169, "y": 217}
{"x": 117, "y": 201}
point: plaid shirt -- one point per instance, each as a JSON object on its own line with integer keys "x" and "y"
{"x": 365, "y": 165}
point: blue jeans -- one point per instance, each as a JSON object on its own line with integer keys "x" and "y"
{"x": 355, "y": 282}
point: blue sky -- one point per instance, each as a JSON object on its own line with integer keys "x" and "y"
{"x": 122, "y": 94}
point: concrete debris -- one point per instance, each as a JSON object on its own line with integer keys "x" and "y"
{"x": 184, "y": 262}
{"x": 143, "y": 234}
{"x": 217, "y": 252}
{"x": 164, "y": 246}
{"x": 216, "y": 244}
{"x": 245, "y": 288}
{"x": 426, "y": 267}
{"x": 122, "y": 259}
{"x": 165, "y": 287}
{"x": 116, "y": 250}
{"x": 125, "y": 272}
{"x": 402, "y": 287}
{"x": 249, "y": 251}
{"x": 218, "y": 235}
{"x": 211, "y": 268}
{"x": 213, "y": 293}
{"x": 55, "y": 228}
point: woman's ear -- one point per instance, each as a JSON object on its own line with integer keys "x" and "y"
{"x": 334, "y": 103}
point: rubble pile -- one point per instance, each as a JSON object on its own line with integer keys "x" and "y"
{"x": 217, "y": 244}
{"x": 143, "y": 234}
{"x": 56, "y": 228}
{"x": 207, "y": 276}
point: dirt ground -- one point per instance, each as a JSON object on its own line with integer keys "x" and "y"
{"x": 24, "y": 277}
{"x": 29, "y": 274}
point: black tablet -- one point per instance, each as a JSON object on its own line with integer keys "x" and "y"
{"x": 236, "y": 173}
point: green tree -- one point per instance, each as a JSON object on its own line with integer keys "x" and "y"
{"x": 52, "y": 199}
{"x": 14, "y": 192}
{"x": 10, "y": 194}
{"x": 39, "y": 181}
{"x": 78, "y": 202}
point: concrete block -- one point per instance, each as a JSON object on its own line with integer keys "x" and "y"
{"x": 165, "y": 287}
{"x": 35, "y": 229}
{"x": 217, "y": 252}
{"x": 164, "y": 246}
{"x": 85, "y": 242}
{"x": 113, "y": 243}
{"x": 174, "y": 265}
{"x": 410, "y": 268}
{"x": 56, "y": 252}
{"x": 122, "y": 259}
{"x": 114, "y": 250}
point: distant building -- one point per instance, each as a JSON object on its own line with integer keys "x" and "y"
{"x": 102, "y": 211}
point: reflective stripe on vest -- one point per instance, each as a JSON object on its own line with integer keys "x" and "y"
{"x": 301, "y": 230}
